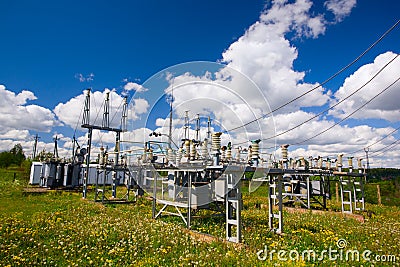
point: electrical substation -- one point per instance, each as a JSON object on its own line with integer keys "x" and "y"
{"x": 199, "y": 174}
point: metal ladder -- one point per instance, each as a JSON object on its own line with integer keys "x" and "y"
{"x": 233, "y": 201}
{"x": 346, "y": 195}
{"x": 275, "y": 197}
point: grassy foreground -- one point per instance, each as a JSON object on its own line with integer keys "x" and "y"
{"x": 61, "y": 229}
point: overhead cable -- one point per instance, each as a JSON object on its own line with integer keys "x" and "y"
{"x": 331, "y": 107}
{"x": 321, "y": 84}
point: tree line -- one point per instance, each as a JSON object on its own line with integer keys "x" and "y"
{"x": 14, "y": 157}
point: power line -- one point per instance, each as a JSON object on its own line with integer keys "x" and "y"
{"x": 331, "y": 107}
{"x": 323, "y": 83}
{"x": 383, "y": 138}
{"x": 348, "y": 116}
{"x": 386, "y": 148}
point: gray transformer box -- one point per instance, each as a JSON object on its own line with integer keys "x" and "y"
{"x": 201, "y": 196}
{"x": 36, "y": 170}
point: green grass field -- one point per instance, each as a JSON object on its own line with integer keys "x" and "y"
{"x": 61, "y": 229}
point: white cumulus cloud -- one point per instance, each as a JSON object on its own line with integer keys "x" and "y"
{"x": 340, "y": 8}
{"x": 17, "y": 114}
{"x": 135, "y": 87}
{"x": 138, "y": 106}
{"x": 386, "y": 106}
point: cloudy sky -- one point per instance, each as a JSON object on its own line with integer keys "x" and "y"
{"x": 243, "y": 63}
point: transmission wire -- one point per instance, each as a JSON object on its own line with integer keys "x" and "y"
{"x": 323, "y": 83}
{"x": 336, "y": 104}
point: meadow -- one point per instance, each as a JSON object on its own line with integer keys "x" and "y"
{"x": 59, "y": 228}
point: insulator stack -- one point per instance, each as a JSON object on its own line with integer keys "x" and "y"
{"x": 255, "y": 150}
{"x": 310, "y": 158}
{"x": 339, "y": 162}
{"x": 144, "y": 157}
{"x": 101, "y": 156}
{"x": 192, "y": 151}
{"x": 320, "y": 162}
{"x": 216, "y": 145}
{"x": 350, "y": 161}
{"x": 359, "y": 163}
{"x": 315, "y": 162}
{"x": 216, "y": 142}
{"x": 105, "y": 158}
{"x": 302, "y": 162}
{"x": 223, "y": 153}
{"x": 187, "y": 148}
{"x": 179, "y": 156}
{"x": 229, "y": 153}
{"x": 171, "y": 156}
{"x": 328, "y": 164}
{"x": 284, "y": 149}
{"x": 204, "y": 149}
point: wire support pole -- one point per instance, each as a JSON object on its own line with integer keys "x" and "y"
{"x": 366, "y": 156}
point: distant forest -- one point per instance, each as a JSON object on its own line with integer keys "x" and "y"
{"x": 383, "y": 174}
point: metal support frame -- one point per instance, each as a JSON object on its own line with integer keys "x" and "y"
{"x": 100, "y": 191}
{"x": 275, "y": 196}
{"x": 104, "y": 127}
{"x": 358, "y": 194}
{"x": 189, "y": 179}
{"x": 346, "y": 193}
{"x": 233, "y": 203}
{"x": 186, "y": 177}
{"x": 106, "y": 170}
{"x": 311, "y": 194}
{"x": 86, "y": 176}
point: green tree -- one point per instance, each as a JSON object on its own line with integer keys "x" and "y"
{"x": 18, "y": 155}
{"x": 6, "y": 159}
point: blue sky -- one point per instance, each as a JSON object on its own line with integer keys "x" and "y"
{"x": 48, "y": 45}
